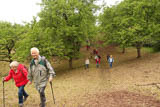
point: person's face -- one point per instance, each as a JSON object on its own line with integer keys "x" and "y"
{"x": 14, "y": 68}
{"x": 35, "y": 54}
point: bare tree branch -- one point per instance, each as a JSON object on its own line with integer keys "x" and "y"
{"x": 152, "y": 84}
{"x": 146, "y": 84}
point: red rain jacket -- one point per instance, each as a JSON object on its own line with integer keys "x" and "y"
{"x": 20, "y": 77}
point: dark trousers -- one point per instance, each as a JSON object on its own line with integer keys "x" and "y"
{"x": 110, "y": 64}
{"x": 42, "y": 97}
{"x": 86, "y": 66}
{"x": 21, "y": 93}
{"x": 97, "y": 64}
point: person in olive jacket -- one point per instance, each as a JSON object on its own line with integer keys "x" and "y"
{"x": 40, "y": 72}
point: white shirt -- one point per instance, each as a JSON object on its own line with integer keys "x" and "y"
{"x": 36, "y": 62}
{"x": 87, "y": 61}
{"x": 111, "y": 60}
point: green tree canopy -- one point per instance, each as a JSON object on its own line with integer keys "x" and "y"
{"x": 130, "y": 23}
{"x": 9, "y": 36}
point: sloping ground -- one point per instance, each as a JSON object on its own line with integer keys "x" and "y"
{"x": 120, "y": 99}
{"x": 127, "y": 71}
{"x": 99, "y": 87}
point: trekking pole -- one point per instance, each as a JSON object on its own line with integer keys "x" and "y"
{"x": 52, "y": 93}
{"x": 3, "y": 93}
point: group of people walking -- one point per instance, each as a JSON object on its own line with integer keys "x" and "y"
{"x": 40, "y": 71}
{"x": 97, "y": 59}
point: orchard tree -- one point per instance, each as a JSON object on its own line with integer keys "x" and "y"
{"x": 35, "y": 36}
{"x": 9, "y": 35}
{"x": 130, "y": 23}
{"x": 69, "y": 22}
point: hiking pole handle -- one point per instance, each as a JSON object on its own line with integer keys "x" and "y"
{"x": 52, "y": 93}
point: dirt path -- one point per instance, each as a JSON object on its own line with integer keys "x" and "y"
{"x": 121, "y": 99}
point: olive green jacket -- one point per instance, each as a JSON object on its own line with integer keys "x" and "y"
{"x": 40, "y": 73}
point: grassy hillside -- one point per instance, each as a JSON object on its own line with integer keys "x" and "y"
{"x": 78, "y": 87}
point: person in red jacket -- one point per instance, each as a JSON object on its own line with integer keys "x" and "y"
{"x": 98, "y": 60}
{"x": 19, "y": 74}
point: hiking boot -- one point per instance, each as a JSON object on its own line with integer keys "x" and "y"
{"x": 25, "y": 98}
{"x": 20, "y": 105}
{"x": 42, "y": 105}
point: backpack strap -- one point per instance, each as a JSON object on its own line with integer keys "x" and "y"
{"x": 32, "y": 63}
{"x": 21, "y": 70}
{"x": 42, "y": 62}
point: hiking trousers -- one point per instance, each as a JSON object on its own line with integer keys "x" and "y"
{"x": 42, "y": 97}
{"x": 86, "y": 66}
{"x": 110, "y": 64}
{"x": 21, "y": 93}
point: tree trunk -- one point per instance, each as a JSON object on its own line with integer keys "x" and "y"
{"x": 70, "y": 63}
{"x": 139, "y": 45}
{"x": 138, "y": 52}
{"x": 124, "y": 50}
{"x": 9, "y": 54}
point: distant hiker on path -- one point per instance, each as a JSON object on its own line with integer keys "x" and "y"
{"x": 108, "y": 56}
{"x": 95, "y": 52}
{"x": 98, "y": 59}
{"x": 88, "y": 45}
{"x": 87, "y": 63}
{"x": 19, "y": 73}
{"x": 111, "y": 60}
{"x": 40, "y": 71}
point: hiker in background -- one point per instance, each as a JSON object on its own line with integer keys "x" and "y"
{"x": 94, "y": 51}
{"x": 97, "y": 58}
{"x": 111, "y": 60}
{"x": 108, "y": 56}
{"x": 87, "y": 63}
{"x": 88, "y": 45}
{"x": 19, "y": 73}
{"x": 40, "y": 71}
